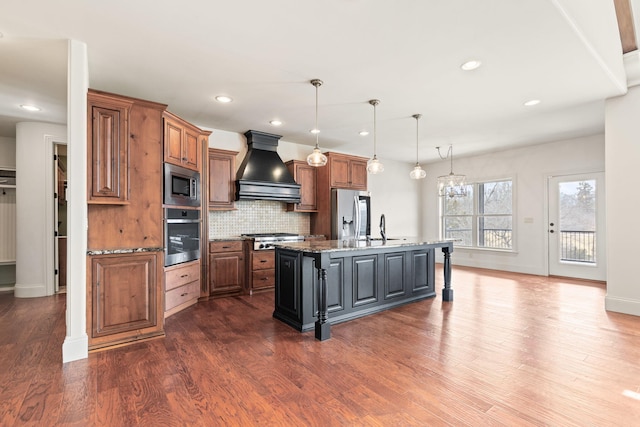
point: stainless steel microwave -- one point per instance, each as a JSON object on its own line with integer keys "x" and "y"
{"x": 181, "y": 186}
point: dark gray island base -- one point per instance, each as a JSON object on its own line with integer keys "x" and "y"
{"x": 319, "y": 283}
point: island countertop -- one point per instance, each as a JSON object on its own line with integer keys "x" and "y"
{"x": 320, "y": 246}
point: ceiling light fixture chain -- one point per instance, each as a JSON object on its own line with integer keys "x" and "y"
{"x": 451, "y": 185}
{"x": 417, "y": 172}
{"x": 374, "y": 166}
{"x": 316, "y": 158}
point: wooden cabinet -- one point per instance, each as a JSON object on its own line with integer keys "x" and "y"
{"x": 107, "y": 148}
{"x": 226, "y": 268}
{"x": 341, "y": 171}
{"x": 261, "y": 269}
{"x": 123, "y": 297}
{"x": 181, "y": 142}
{"x": 306, "y": 176}
{"x": 222, "y": 170}
{"x": 347, "y": 171}
{"x": 182, "y": 286}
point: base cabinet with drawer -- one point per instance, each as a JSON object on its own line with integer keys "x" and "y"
{"x": 261, "y": 269}
{"x": 182, "y": 287}
{"x": 226, "y": 268}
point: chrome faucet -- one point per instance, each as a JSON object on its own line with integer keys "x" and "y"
{"x": 383, "y": 228}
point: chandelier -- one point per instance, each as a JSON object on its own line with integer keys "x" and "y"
{"x": 451, "y": 185}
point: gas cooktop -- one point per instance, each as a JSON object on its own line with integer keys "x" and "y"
{"x": 263, "y": 241}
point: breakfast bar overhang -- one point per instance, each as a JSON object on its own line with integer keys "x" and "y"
{"x": 320, "y": 283}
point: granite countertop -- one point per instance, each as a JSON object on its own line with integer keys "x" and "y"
{"x": 225, "y": 239}
{"x": 122, "y": 251}
{"x": 317, "y": 246}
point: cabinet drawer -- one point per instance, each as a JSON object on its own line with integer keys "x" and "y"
{"x": 264, "y": 278}
{"x": 262, "y": 260}
{"x": 179, "y": 276}
{"x": 180, "y": 295}
{"x": 226, "y": 246}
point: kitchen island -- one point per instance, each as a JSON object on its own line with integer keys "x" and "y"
{"x": 319, "y": 283}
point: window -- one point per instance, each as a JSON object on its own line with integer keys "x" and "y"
{"x": 483, "y": 218}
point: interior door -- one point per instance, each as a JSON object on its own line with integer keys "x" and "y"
{"x": 576, "y": 226}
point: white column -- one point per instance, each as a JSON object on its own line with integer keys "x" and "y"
{"x": 75, "y": 345}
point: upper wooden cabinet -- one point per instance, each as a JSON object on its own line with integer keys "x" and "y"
{"x": 306, "y": 176}
{"x": 181, "y": 145}
{"x": 107, "y": 148}
{"x": 341, "y": 171}
{"x": 222, "y": 170}
{"x": 347, "y": 171}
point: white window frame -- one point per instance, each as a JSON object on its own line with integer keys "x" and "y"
{"x": 475, "y": 216}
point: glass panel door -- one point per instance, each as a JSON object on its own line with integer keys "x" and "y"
{"x": 576, "y": 226}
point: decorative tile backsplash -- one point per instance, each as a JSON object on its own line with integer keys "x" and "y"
{"x": 257, "y": 216}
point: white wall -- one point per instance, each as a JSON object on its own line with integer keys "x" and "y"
{"x": 622, "y": 159}
{"x": 529, "y": 167}
{"x": 34, "y": 206}
{"x": 7, "y": 152}
{"x": 393, "y": 193}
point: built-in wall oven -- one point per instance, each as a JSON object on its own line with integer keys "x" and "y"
{"x": 181, "y": 235}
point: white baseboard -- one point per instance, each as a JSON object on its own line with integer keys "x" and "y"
{"x": 75, "y": 348}
{"x": 622, "y": 305}
{"x": 29, "y": 291}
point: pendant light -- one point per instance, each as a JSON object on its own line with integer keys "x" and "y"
{"x": 451, "y": 185}
{"x": 417, "y": 172}
{"x": 316, "y": 158}
{"x": 374, "y": 166}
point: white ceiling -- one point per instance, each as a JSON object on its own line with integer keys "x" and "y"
{"x": 407, "y": 53}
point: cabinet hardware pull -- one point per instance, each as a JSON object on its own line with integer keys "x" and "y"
{"x": 263, "y": 260}
{"x": 226, "y": 247}
{"x": 184, "y": 275}
{"x": 186, "y": 293}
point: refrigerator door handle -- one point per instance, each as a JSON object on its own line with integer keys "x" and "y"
{"x": 356, "y": 217}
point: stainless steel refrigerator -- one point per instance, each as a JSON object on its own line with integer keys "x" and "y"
{"x": 350, "y": 215}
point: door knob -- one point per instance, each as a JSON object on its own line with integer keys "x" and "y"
{"x": 551, "y": 224}
{"x": 551, "y": 231}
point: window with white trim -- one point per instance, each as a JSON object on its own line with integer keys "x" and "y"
{"x": 481, "y": 219}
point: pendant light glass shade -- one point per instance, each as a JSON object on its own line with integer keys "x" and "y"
{"x": 451, "y": 185}
{"x": 316, "y": 158}
{"x": 374, "y": 166}
{"x": 417, "y": 172}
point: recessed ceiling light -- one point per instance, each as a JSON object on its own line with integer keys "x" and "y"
{"x": 314, "y": 131}
{"x": 471, "y": 65}
{"x": 363, "y": 133}
{"x": 30, "y": 107}
{"x": 532, "y": 102}
{"x": 224, "y": 99}
{"x": 275, "y": 122}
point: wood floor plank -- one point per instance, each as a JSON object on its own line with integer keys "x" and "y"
{"x": 512, "y": 349}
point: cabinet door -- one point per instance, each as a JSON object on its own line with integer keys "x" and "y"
{"x": 221, "y": 179}
{"x": 172, "y": 142}
{"x": 124, "y": 295}
{"x": 226, "y": 272}
{"x": 358, "y": 175}
{"x": 340, "y": 172}
{"x": 306, "y": 176}
{"x": 108, "y": 151}
{"x": 190, "y": 150}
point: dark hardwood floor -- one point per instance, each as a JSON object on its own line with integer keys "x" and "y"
{"x": 510, "y": 350}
